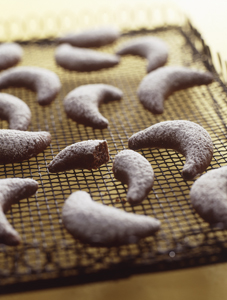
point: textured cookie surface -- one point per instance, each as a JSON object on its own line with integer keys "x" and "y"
{"x": 188, "y": 138}
{"x": 209, "y": 197}
{"x": 134, "y": 170}
{"x": 94, "y": 37}
{"x": 16, "y": 145}
{"x": 45, "y": 82}
{"x": 161, "y": 83}
{"x": 15, "y": 111}
{"x": 12, "y": 190}
{"x": 82, "y": 104}
{"x": 152, "y": 48}
{"x": 89, "y": 155}
{"x": 101, "y": 225}
{"x": 83, "y": 60}
{"x": 10, "y": 55}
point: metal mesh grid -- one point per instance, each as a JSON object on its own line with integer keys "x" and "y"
{"x": 47, "y": 250}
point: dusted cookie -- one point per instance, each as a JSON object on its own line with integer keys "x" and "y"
{"x": 89, "y": 155}
{"x": 15, "y": 111}
{"x": 16, "y": 145}
{"x": 45, "y": 82}
{"x": 12, "y": 190}
{"x": 10, "y": 55}
{"x": 161, "y": 83}
{"x": 187, "y": 138}
{"x": 101, "y": 225}
{"x": 134, "y": 170}
{"x": 94, "y": 37}
{"x": 83, "y": 60}
{"x": 152, "y": 48}
{"x": 81, "y": 104}
{"x": 209, "y": 197}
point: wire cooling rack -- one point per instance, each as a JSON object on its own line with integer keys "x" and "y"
{"x": 48, "y": 255}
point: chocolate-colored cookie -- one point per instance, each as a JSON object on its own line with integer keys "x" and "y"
{"x": 101, "y": 225}
{"x": 89, "y": 155}
{"x": 81, "y": 104}
{"x": 134, "y": 170}
{"x": 45, "y": 82}
{"x": 152, "y": 48}
{"x": 83, "y": 60}
{"x": 161, "y": 83}
{"x": 188, "y": 138}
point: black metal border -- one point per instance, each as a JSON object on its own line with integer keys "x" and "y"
{"x": 127, "y": 269}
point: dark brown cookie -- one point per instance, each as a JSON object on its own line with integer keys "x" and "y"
{"x": 89, "y": 155}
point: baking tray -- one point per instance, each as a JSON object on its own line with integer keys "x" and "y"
{"x": 48, "y": 255}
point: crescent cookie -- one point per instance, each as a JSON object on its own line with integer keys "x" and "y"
{"x": 10, "y": 55}
{"x": 93, "y": 37}
{"x": 101, "y": 225}
{"x": 12, "y": 190}
{"x": 45, "y": 82}
{"x": 82, "y": 103}
{"x": 161, "y": 83}
{"x": 15, "y": 111}
{"x": 187, "y": 138}
{"x": 134, "y": 170}
{"x": 209, "y": 197}
{"x": 152, "y": 48}
{"x": 82, "y": 59}
{"x": 89, "y": 155}
{"x": 16, "y": 145}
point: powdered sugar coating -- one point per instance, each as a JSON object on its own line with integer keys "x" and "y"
{"x": 101, "y": 225}
{"x": 16, "y": 145}
{"x": 12, "y": 190}
{"x": 93, "y": 37}
{"x": 161, "y": 83}
{"x": 188, "y": 138}
{"x": 134, "y": 170}
{"x": 83, "y": 60}
{"x": 81, "y": 104}
{"x": 15, "y": 111}
{"x": 209, "y": 197}
{"x": 43, "y": 81}
{"x": 10, "y": 55}
{"x": 152, "y": 48}
{"x": 89, "y": 155}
